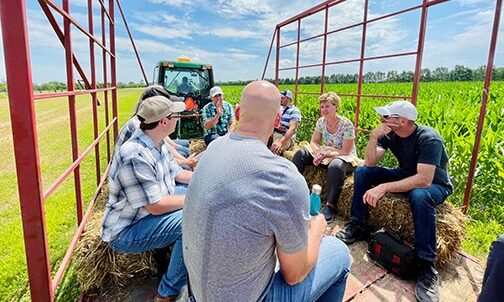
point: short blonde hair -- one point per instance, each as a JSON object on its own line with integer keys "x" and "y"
{"x": 330, "y": 97}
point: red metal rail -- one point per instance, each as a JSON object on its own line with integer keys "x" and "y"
{"x": 24, "y": 132}
{"x": 21, "y": 102}
{"x": 418, "y": 54}
{"x": 484, "y": 100}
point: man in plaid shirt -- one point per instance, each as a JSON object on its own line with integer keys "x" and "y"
{"x": 143, "y": 210}
{"x": 218, "y": 116}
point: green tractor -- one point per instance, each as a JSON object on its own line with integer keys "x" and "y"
{"x": 189, "y": 80}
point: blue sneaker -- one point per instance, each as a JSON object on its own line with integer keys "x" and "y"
{"x": 328, "y": 214}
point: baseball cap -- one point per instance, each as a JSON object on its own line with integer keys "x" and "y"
{"x": 286, "y": 93}
{"x": 400, "y": 108}
{"x": 157, "y": 107}
{"x": 154, "y": 90}
{"x": 215, "y": 90}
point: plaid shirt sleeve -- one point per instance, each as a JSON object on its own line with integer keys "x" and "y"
{"x": 139, "y": 181}
{"x": 205, "y": 113}
{"x": 126, "y": 132}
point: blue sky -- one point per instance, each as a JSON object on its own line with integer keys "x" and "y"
{"x": 234, "y": 36}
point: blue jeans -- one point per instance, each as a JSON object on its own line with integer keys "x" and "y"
{"x": 423, "y": 202}
{"x": 182, "y": 147}
{"x": 326, "y": 281}
{"x": 155, "y": 232}
{"x": 182, "y": 142}
{"x": 493, "y": 279}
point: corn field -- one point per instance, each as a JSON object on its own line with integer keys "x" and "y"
{"x": 452, "y": 108}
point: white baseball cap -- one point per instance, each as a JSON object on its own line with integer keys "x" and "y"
{"x": 158, "y": 107}
{"x": 215, "y": 90}
{"x": 286, "y": 93}
{"x": 400, "y": 108}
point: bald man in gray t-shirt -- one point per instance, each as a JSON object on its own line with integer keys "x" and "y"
{"x": 246, "y": 209}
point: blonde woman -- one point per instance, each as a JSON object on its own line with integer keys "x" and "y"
{"x": 332, "y": 145}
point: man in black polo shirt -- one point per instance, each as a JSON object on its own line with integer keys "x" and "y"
{"x": 422, "y": 175}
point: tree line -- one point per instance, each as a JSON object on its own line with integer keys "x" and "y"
{"x": 54, "y": 86}
{"x": 439, "y": 74}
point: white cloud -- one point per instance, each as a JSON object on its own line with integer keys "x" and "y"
{"x": 383, "y": 37}
{"x": 240, "y": 8}
{"x": 163, "y": 32}
{"x": 472, "y": 2}
{"x": 176, "y": 3}
{"x": 123, "y": 44}
{"x": 469, "y": 46}
{"x": 233, "y": 33}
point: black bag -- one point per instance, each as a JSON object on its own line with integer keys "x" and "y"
{"x": 393, "y": 254}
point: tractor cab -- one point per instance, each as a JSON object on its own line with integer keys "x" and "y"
{"x": 189, "y": 80}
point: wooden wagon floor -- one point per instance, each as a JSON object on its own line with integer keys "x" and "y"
{"x": 460, "y": 280}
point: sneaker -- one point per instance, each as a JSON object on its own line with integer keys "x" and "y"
{"x": 328, "y": 214}
{"x": 353, "y": 231}
{"x": 427, "y": 286}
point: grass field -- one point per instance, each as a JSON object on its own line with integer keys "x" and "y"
{"x": 451, "y": 108}
{"x": 55, "y": 157}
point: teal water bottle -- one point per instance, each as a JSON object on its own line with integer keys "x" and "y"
{"x": 315, "y": 200}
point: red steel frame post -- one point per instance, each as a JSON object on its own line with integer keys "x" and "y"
{"x": 277, "y": 63}
{"x": 324, "y": 52}
{"x": 92, "y": 67}
{"x": 269, "y": 53}
{"x": 113, "y": 67}
{"x": 71, "y": 109}
{"x": 105, "y": 80}
{"x": 361, "y": 65}
{"x": 24, "y": 132}
{"x": 297, "y": 62}
{"x": 484, "y": 100}
{"x": 419, "y": 55}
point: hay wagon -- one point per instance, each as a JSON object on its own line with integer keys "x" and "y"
{"x": 461, "y": 277}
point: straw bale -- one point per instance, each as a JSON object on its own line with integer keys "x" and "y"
{"x": 393, "y": 213}
{"x": 197, "y": 146}
{"x": 289, "y": 153}
{"x": 100, "y": 269}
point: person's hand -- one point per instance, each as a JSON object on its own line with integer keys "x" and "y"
{"x": 319, "y": 156}
{"x": 382, "y": 129}
{"x": 372, "y": 196}
{"x": 276, "y": 147}
{"x": 219, "y": 110}
{"x": 191, "y": 160}
{"x": 318, "y": 222}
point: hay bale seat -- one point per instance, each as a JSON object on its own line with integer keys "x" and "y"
{"x": 100, "y": 269}
{"x": 393, "y": 213}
